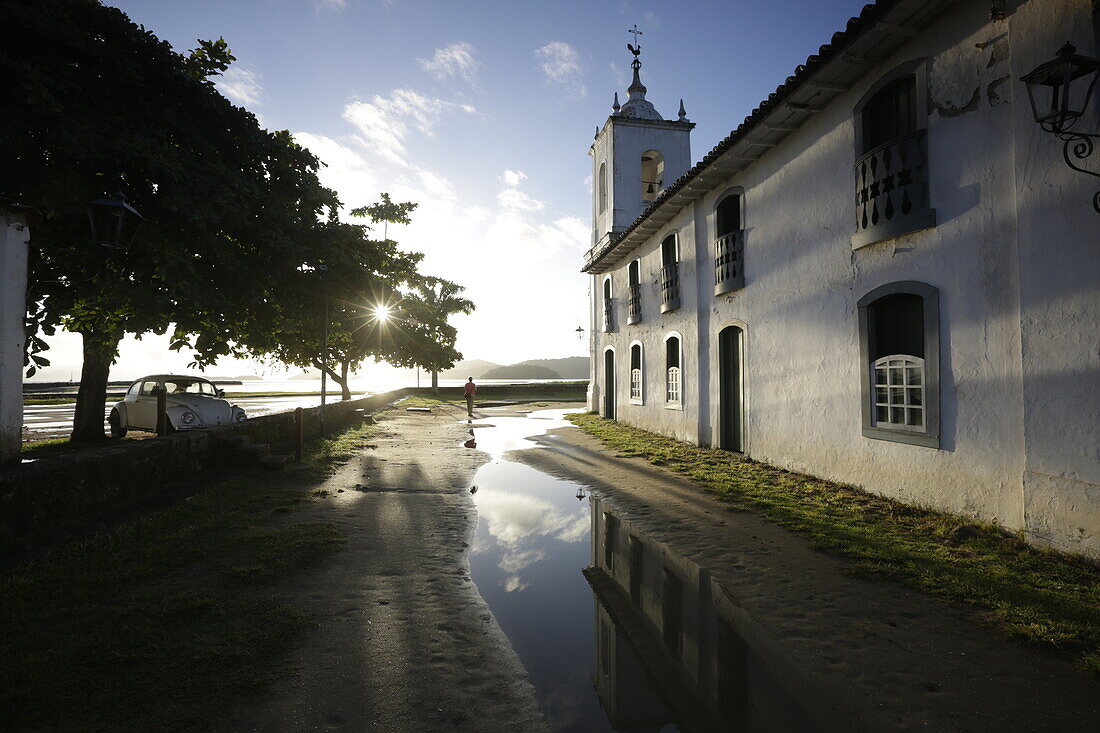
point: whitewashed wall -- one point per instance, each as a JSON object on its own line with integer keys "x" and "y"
{"x": 1015, "y": 256}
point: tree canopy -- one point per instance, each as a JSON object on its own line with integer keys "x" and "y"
{"x": 236, "y": 213}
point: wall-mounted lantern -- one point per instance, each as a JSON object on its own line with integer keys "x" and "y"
{"x": 114, "y": 222}
{"x": 1060, "y": 91}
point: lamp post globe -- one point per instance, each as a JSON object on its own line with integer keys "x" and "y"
{"x": 114, "y": 223}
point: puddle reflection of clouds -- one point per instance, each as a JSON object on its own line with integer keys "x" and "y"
{"x": 522, "y": 528}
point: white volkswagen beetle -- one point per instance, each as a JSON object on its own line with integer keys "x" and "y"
{"x": 191, "y": 402}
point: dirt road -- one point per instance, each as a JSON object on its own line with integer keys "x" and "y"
{"x": 403, "y": 641}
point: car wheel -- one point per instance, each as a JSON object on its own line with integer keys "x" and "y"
{"x": 115, "y": 421}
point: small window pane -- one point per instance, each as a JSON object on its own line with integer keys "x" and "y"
{"x": 882, "y": 414}
{"x": 914, "y": 394}
{"x": 912, "y": 376}
{"x": 897, "y": 415}
{"x": 913, "y": 417}
{"x": 880, "y": 395}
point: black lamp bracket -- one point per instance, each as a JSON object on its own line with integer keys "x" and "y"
{"x": 1077, "y": 146}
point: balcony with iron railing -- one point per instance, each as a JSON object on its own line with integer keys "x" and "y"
{"x": 670, "y": 287}
{"x": 729, "y": 262}
{"x": 634, "y": 304}
{"x": 608, "y": 315}
{"x": 892, "y": 190}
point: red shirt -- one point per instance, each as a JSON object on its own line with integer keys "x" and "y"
{"x": 471, "y": 389}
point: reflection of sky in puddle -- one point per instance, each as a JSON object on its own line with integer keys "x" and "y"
{"x": 532, "y": 541}
{"x": 498, "y": 435}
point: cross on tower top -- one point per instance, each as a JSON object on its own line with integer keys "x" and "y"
{"x": 636, "y": 48}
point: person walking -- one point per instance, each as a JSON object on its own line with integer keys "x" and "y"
{"x": 470, "y": 390}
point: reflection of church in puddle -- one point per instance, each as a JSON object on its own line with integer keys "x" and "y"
{"x": 672, "y": 647}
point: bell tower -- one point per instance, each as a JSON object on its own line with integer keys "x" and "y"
{"x": 636, "y": 154}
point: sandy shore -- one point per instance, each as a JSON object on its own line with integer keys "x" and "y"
{"x": 895, "y": 658}
{"x": 403, "y": 641}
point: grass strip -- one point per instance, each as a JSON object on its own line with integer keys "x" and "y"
{"x": 1044, "y": 597}
{"x": 166, "y": 622}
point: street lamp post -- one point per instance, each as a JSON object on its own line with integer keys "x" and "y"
{"x": 324, "y": 349}
{"x": 1060, "y": 91}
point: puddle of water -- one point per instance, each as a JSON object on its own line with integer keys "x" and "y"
{"x": 616, "y": 631}
{"x": 532, "y": 543}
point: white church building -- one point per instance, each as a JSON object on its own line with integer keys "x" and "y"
{"x": 886, "y": 276}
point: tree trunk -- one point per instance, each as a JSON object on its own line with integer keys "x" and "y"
{"x": 345, "y": 393}
{"x": 340, "y": 379}
{"x": 99, "y": 353}
{"x": 435, "y": 382}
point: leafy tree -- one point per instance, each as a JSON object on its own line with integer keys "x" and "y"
{"x": 98, "y": 104}
{"x": 341, "y": 290}
{"x": 439, "y": 300}
{"x": 365, "y": 276}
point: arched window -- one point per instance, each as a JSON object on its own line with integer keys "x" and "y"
{"x": 892, "y": 157}
{"x": 670, "y": 274}
{"x": 899, "y": 341}
{"x": 653, "y": 172}
{"x": 729, "y": 243}
{"x": 634, "y": 296}
{"x": 674, "y": 395}
{"x": 637, "y": 374}
{"x": 608, "y": 310}
{"x": 602, "y": 184}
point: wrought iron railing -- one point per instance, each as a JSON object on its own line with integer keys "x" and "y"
{"x": 634, "y": 304}
{"x": 729, "y": 262}
{"x": 608, "y": 315}
{"x": 892, "y": 190}
{"x": 670, "y": 287}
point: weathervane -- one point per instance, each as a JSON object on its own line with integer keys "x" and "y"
{"x": 636, "y": 48}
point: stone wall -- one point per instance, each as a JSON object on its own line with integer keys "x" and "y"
{"x": 53, "y": 498}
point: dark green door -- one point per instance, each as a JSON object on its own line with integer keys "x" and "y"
{"x": 609, "y": 384}
{"x": 730, "y": 392}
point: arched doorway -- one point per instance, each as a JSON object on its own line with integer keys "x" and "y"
{"x": 609, "y": 384}
{"x": 731, "y": 393}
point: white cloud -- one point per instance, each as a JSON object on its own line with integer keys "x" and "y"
{"x": 512, "y": 178}
{"x": 482, "y": 245}
{"x": 588, "y": 183}
{"x": 516, "y": 200}
{"x": 383, "y": 122}
{"x": 241, "y": 85}
{"x": 618, "y": 71}
{"x": 561, "y": 65}
{"x": 652, "y": 19}
{"x": 453, "y": 60}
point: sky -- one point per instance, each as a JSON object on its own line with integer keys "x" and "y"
{"x": 482, "y": 113}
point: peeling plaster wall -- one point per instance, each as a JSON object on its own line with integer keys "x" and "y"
{"x": 1015, "y": 256}
{"x": 1059, "y": 266}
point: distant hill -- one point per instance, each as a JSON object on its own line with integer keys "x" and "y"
{"x": 309, "y": 374}
{"x": 521, "y": 371}
{"x": 572, "y": 367}
{"x": 475, "y": 368}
